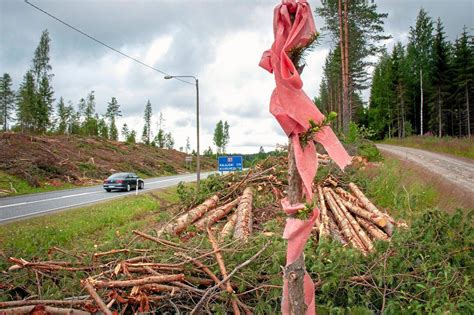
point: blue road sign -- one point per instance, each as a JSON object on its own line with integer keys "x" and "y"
{"x": 229, "y": 163}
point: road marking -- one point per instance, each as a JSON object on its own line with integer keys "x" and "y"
{"x": 49, "y": 199}
{"x": 58, "y": 208}
{"x": 83, "y": 194}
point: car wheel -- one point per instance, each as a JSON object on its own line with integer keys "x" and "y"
{"x": 141, "y": 185}
{"x": 108, "y": 190}
{"x": 128, "y": 187}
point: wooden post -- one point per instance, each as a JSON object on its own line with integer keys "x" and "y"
{"x": 294, "y": 272}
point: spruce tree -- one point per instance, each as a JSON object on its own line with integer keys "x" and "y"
{"x": 160, "y": 138}
{"x": 463, "y": 72}
{"x": 103, "y": 128}
{"x": 26, "y": 102}
{"x": 439, "y": 78}
{"x": 132, "y": 137}
{"x": 7, "y": 100}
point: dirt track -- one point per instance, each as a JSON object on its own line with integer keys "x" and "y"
{"x": 459, "y": 172}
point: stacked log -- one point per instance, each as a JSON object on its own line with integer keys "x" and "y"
{"x": 352, "y": 218}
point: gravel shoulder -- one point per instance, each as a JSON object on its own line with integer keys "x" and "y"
{"x": 455, "y": 172}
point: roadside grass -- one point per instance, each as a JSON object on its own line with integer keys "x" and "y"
{"x": 96, "y": 227}
{"x": 22, "y": 187}
{"x": 463, "y": 147}
{"x": 402, "y": 192}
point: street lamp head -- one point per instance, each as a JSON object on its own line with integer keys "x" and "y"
{"x": 167, "y": 77}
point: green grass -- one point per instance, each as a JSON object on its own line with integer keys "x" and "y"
{"x": 463, "y": 147}
{"x": 95, "y": 227}
{"x": 399, "y": 190}
{"x": 22, "y": 187}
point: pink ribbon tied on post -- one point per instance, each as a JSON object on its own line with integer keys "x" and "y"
{"x": 293, "y": 26}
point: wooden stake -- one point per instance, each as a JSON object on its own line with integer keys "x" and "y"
{"x": 294, "y": 273}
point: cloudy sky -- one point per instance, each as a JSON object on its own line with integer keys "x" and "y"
{"x": 220, "y": 42}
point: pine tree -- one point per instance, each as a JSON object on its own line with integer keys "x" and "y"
{"x": 146, "y": 135}
{"x": 113, "y": 111}
{"x": 357, "y": 28}
{"x": 7, "y": 100}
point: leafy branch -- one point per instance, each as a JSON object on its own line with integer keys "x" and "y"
{"x": 308, "y": 135}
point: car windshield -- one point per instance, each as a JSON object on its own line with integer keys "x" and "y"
{"x": 118, "y": 175}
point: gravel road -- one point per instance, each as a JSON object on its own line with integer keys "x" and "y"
{"x": 459, "y": 172}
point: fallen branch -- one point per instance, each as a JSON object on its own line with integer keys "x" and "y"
{"x": 197, "y": 307}
{"x": 222, "y": 268}
{"x": 136, "y": 282}
{"x": 228, "y": 227}
{"x": 92, "y": 292}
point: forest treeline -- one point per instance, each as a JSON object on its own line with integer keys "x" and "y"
{"x": 423, "y": 87}
{"x": 32, "y": 109}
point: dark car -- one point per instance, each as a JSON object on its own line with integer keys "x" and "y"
{"x": 123, "y": 181}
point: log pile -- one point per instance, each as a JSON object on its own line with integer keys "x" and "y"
{"x": 351, "y": 218}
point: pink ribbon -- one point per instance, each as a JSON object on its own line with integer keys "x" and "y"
{"x": 293, "y": 109}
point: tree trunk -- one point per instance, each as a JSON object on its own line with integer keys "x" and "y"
{"x": 294, "y": 273}
{"x": 421, "y": 102}
{"x": 468, "y": 114}
{"x": 346, "y": 65}
{"x": 440, "y": 132}
{"x": 345, "y": 109}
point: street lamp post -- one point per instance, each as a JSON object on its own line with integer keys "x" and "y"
{"x": 198, "y": 159}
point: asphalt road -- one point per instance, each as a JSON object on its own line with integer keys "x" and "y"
{"x": 16, "y": 208}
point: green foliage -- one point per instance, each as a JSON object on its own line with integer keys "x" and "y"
{"x": 221, "y": 136}
{"x": 7, "y": 100}
{"x": 189, "y": 196}
{"x": 146, "y": 135}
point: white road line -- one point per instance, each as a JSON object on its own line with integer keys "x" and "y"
{"x": 59, "y": 208}
{"x": 83, "y": 194}
{"x": 49, "y": 199}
